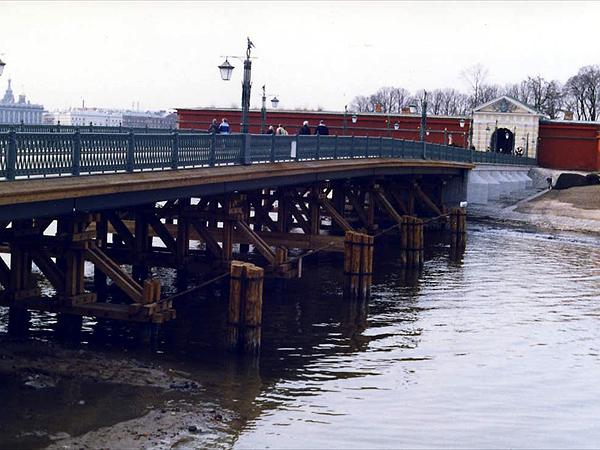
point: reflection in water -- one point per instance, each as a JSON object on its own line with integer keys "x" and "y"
{"x": 494, "y": 347}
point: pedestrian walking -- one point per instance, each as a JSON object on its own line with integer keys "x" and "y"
{"x": 322, "y": 129}
{"x": 304, "y": 129}
{"x": 224, "y": 127}
{"x": 214, "y": 127}
{"x": 271, "y": 130}
{"x": 281, "y": 131}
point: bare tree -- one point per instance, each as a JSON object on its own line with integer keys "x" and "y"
{"x": 361, "y": 103}
{"x": 476, "y": 77}
{"x": 583, "y": 93}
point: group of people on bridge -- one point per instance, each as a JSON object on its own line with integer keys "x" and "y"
{"x": 224, "y": 128}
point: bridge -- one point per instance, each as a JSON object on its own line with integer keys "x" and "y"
{"x": 195, "y": 202}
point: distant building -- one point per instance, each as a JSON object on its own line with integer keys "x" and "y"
{"x": 20, "y": 111}
{"x": 84, "y": 117}
{"x": 149, "y": 119}
{"x": 111, "y": 118}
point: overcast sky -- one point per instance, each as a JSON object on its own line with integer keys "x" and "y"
{"x": 310, "y": 54}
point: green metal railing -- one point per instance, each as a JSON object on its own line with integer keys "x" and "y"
{"x": 42, "y": 154}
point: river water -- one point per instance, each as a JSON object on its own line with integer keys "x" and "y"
{"x": 499, "y": 347}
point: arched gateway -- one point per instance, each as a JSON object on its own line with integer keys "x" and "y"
{"x": 503, "y": 141}
{"x": 506, "y": 125}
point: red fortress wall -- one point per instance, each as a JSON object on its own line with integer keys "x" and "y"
{"x": 562, "y": 144}
{"x": 569, "y": 145}
{"x": 367, "y": 124}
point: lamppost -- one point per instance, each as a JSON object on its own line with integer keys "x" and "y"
{"x": 462, "y": 125}
{"x": 423, "y": 116}
{"x": 487, "y": 137}
{"x": 226, "y": 69}
{"x": 263, "y": 109}
{"x": 345, "y": 119}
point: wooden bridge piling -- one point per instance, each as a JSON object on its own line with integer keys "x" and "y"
{"x": 358, "y": 265}
{"x": 245, "y": 307}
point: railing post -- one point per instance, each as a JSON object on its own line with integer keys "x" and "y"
{"x": 393, "y": 152}
{"x": 76, "y": 152}
{"x": 335, "y": 147}
{"x": 380, "y": 146}
{"x": 424, "y": 149}
{"x": 130, "y": 151}
{"x": 367, "y": 148}
{"x": 212, "y": 150}
{"x": 246, "y": 149}
{"x": 472, "y": 154}
{"x": 11, "y": 155}
{"x": 402, "y": 149}
{"x": 318, "y": 149}
{"x": 352, "y": 147}
{"x": 273, "y": 147}
{"x": 175, "y": 150}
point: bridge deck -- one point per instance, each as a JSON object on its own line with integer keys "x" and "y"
{"x": 113, "y": 189}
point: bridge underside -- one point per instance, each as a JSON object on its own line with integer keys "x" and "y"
{"x": 198, "y": 220}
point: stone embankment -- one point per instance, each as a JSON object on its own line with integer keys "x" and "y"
{"x": 574, "y": 209}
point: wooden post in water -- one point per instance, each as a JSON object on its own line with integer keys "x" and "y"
{"x": 245, "y": 307}
{"x": 411, "y": 242}
{"x": 458, "y": 228}
{"x": 358, "y": 265}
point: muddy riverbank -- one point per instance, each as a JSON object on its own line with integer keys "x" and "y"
{"x": 118, "y": 401}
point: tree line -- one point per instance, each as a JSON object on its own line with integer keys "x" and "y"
{"x": 580, "y": 94}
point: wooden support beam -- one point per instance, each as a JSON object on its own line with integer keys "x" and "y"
{"x": 4, "y": 274}
{"x": 426, "y": 200}
{"x": 182, "y": 242}
{"x": 384, "y": 204}
{"x": 127, "y": 284}
{"x": 44, "y": 262}
{"x": 302, "y": 222}
{"x": 211, "y": 243}
{"x": 162, "y": 232}
{"x": 358, "y": 207}
{"x": 263, "y": 216}
{"x": 262, "y": 247}
{"x": 315, "y": 209}
{"x": 124, "y": 232}
{"x": 335, "y": 215}
{"x": 398, "y": 199}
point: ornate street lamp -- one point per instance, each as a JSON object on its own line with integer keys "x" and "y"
{"x": 396, "y": 126}
{"x": 462, "y": 123}
{"x": 226, "y": 70}
{"x": 263, "y": 109}
{"x": 2, "y": 64}
{"x": 354, "y": 118}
